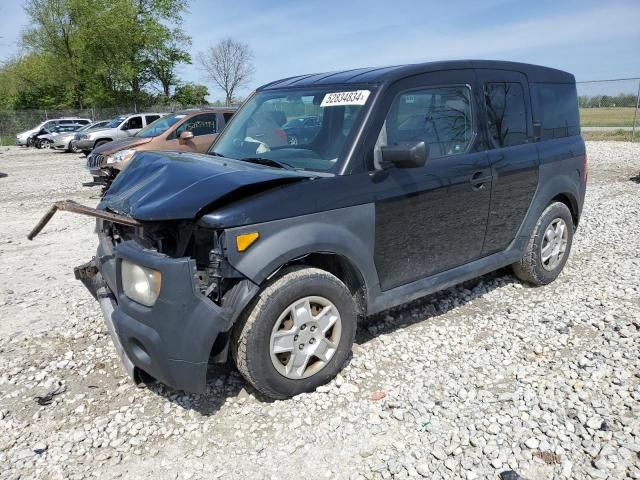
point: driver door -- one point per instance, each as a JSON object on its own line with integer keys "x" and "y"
{"x": 432, "y": 218}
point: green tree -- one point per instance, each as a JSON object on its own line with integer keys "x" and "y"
{"x": 98, "y": 52}
{"x": 163, "y": 56}
{"x": 191, "y": 94}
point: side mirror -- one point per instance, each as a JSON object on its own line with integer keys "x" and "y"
{"x": 186, "y": 135}
{"x": 406, "y": 154}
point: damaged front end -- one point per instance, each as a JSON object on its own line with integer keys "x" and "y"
{"x": 166, "y": 289}
{"x": 174, "y": 337}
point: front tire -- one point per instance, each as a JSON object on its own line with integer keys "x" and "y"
{"x": 548, "y": 248}
{"x": 297, "y": 334}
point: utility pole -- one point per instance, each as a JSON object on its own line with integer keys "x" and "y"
{"x": 635, "y": 114}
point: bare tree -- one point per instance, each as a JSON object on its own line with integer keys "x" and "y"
{"x": 228, "y": 65}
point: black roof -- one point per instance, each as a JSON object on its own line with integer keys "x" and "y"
{"x": 535, "y": 73}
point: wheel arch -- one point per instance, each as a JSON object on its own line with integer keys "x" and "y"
{"x": 572, "y": 204}
{"x": 340, "y": 242}
{"x": 341, "y": 267}
{"x": 101, "y": 140}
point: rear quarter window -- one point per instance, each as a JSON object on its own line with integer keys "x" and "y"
{"x": 557, "y": 105}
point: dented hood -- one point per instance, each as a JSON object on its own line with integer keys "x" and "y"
{"x": 159, "y": 186}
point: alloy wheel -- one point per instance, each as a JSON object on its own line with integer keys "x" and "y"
{"x": 305, "y": 337}
{"x": 554, "y": 244}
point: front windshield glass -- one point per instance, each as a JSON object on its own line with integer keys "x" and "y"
{"x": 115, "y": 123}
{"x": 160, "y": 125}
{"x": 301, "y": 129}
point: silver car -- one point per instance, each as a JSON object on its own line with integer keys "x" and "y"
{"x": 120, "y": 127}
{"x": 65, "y": 140}
{"x": 22, "y": 138}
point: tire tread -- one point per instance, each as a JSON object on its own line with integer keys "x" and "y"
{"x": 247, "y": 321}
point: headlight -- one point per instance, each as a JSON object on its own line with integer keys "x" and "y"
{"x": 120, "y": 157}
{"x": 140, "y": 284}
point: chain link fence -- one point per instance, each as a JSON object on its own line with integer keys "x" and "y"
{"x": 609, "y": 108}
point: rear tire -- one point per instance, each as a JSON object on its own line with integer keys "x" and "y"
{"x": 548, "y": 248}
{"x": 302, "y": 313}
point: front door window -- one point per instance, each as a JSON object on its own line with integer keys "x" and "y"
{"x": 440, "y": 116}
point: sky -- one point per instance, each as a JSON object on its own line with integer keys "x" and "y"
{"x": 591, "y": 39}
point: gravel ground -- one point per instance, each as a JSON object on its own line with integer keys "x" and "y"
{"x": 480, "y": 379}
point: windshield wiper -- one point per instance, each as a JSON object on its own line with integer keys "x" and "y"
{"x": 268, "y": 162}
{"x": 215, "y": 154}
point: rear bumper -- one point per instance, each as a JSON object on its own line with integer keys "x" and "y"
{"x": 172, "y": 340}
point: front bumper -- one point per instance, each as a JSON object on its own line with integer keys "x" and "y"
{"x": 20, "y": 142}
{"x": 172, "y": 340}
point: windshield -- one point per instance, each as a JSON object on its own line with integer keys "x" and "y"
{"x": 301, "y": 129}
{"x": 115, "y": 123}
{"x": 159, "y": 126}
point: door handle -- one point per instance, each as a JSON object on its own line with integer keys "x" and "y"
{"x": 478, "y": 179}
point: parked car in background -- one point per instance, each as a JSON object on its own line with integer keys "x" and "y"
{"x": 65, "y": 141}
{"x": 301, "y": 130}
{"x": 45, "y": 139}
{"x": 22, "y": 138}
{"x": 120, "y": 127}
{"x": 186, "y": 131}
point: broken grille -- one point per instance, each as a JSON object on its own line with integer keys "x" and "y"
{"x": 94, "y": 160}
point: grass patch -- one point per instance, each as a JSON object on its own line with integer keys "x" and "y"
{"x": 607, "y": 117}
{"x": 616, "y": 135}
{"x": 7, "y": 140}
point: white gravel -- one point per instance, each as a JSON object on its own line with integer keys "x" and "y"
{"x": 477, "y": 380}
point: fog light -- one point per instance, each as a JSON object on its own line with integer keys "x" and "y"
{"x": 140, "y": 284}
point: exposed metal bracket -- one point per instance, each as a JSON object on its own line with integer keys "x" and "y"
{"x": 75, "y": 207}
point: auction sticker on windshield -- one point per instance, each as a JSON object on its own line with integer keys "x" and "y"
{"x": 356, "y": 97}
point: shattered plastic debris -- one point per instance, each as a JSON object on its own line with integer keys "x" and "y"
{"x": 510, "y": 475}
{"x": 378, "y": 395}
{"x": 48, "y": 398}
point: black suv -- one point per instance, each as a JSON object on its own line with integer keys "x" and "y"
{"x": 417, "y": 178}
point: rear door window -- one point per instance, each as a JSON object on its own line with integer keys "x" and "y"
{"x": 151, "y": 118}
{"x": 506, "y": 114}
